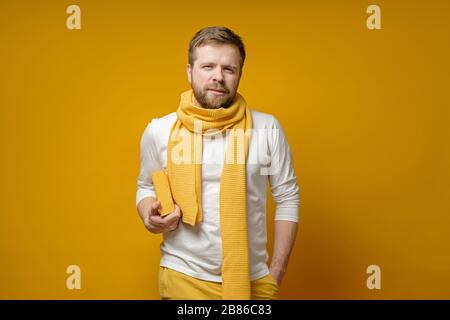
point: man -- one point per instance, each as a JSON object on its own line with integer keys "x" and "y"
{"x": 218, "y": 249}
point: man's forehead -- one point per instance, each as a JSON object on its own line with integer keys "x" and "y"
{"x": 223, "y": 52}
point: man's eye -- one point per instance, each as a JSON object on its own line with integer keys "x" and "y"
{"x": 206, "y": 67}
{"x": 229, "y": 70}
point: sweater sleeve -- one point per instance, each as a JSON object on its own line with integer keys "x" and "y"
{"x": 283, "y": 181}
{"x": 149, "y": 162}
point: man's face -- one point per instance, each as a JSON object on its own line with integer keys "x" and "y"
{"x": 215, "y": 74}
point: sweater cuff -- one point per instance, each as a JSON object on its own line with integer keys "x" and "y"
{"x": 144, "y": 193}
{"x": 287, "y": 213}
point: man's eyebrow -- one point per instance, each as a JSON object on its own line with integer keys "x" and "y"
{"x": 230, "y": 66}
{"x": 214, "y": 64}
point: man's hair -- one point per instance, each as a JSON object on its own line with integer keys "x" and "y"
{"x": 216, "y": 35}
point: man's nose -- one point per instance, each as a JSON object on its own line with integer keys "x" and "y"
{"x": 217, "y": 74}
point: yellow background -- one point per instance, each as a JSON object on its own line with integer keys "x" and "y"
{"x": 366, "y": 113}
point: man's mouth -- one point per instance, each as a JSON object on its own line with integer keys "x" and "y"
{"x": 217, "y": 91}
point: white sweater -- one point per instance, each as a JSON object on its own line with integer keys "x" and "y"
{"x": 197, "y": 251}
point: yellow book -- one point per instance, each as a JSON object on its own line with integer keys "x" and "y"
{"x": 163, "y": 192}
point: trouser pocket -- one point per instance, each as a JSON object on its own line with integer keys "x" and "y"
{"x": 162, "y": 281}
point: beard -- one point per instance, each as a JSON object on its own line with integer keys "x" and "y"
{"x": 209, "y": 100}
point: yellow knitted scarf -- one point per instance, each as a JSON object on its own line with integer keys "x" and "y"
{"x": 184, "y": 157}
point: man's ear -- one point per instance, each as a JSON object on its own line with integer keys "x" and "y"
{"x": 188, "y": 70}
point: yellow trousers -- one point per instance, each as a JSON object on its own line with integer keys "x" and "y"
{"x": 174, "y": 285}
